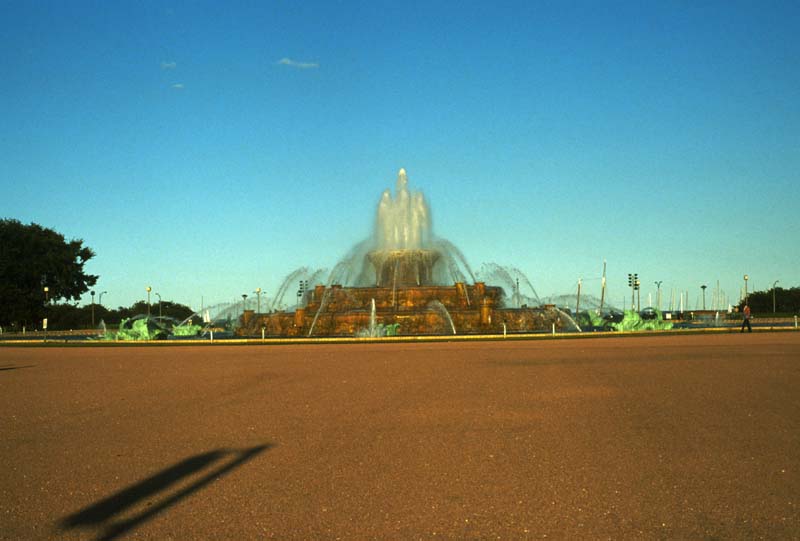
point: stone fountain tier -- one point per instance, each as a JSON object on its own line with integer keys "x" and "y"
{"x": 344, "y": 311}
{"x": 403, "y": 268}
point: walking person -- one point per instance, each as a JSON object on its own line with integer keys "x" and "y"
{"x": 746, "y": 319}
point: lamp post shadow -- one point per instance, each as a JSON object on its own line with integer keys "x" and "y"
{"x": 109, "y": 513}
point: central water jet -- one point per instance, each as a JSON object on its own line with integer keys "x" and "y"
{"x": 403, "y": 255}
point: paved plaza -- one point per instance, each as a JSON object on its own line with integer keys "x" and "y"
{"x": 653, "y": 437}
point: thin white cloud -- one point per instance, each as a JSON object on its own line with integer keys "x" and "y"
{"x": 298, "y": 65}
{"x": 168, "y": 65}
{"x": 178, "y": 86}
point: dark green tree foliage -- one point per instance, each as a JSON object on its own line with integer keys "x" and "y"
{"x": 168, "y": 309}
{"x": 65, "y": 316}
{"x": 62, "y": 317}
{"x": 32, "y": 257}
{"x": 787, "y": 301}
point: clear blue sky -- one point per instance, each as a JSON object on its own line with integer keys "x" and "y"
{"x": 207, "y": 149}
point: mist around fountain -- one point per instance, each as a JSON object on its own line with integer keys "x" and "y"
{"x": 587, "y": 302}
{"x": 403, "y": 220}
{"x": 403, "y": 278}
{"x": 402, "y": 223}
{"x": 518, "y": 287}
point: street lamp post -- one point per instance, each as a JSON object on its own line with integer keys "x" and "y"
{"x": 258, "y": 300}
{"x": 633, "y": 283}
{"x": 46, "y": 290}
{"x": 703, "y": 287}
{"x": 159, "y": 304}
{"x": 148, "y": 289}
{"x": 244, "y": 302}
{"x": 92, "y": 293}
{"x": 746, "y": 278}
{"x": 100, "y": 300}
{"x": 658, "y": 293}
{"x": 602, "y": 288}
{"x": 773, "y": 295}
{"x": 638, "y": 295}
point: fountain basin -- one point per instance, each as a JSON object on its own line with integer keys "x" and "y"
{"x": 347, "y": 311}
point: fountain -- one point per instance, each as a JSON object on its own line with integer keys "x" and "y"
{"x": 439, "y": 307}
{"x": 373, "y": 320}
{"x": 144, "y": 327}
{"x": 402, "y": 280}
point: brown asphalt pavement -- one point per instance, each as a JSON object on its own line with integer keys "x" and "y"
{"x": 658, "y": 437}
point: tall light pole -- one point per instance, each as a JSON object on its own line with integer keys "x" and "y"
{"x": 638, "y": 294}
{"x": 46, "y": 295}
{"x": 148, "y": 289}
{"x": 603, "y": 288}
{"x": 703, "y": 287}
{"x": 244, "y": 302}
{"x": 92, "y": 293}
{"x": 159, "y": 304}
{"x": 658, "y": 293}
{"x": 258, "y": 301}
{"x": 773, "y": 295}
{"x": 100, "y": 300}
{"x": 633, "y": 283}
{"x": 746, "y": 278}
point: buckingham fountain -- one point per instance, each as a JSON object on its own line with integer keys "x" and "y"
{"x": 403, "y": 280}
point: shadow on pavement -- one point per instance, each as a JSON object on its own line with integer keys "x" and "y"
{"x": 2, "y": 368}
{"x": 108, "y": 512}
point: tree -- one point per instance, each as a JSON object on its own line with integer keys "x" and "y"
{"x": 65, "y": 316}
{"x": 33, "y": 257}
{"x": 168, "y": 309}
{"x": 787, "y": 301}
